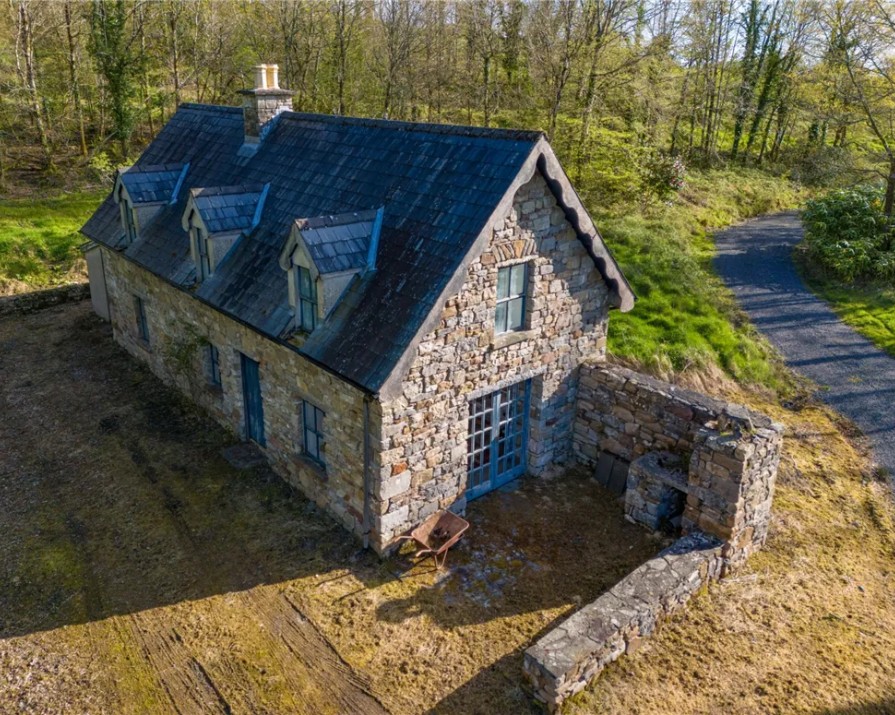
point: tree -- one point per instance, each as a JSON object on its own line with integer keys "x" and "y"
{"x": 112, "y": 47}
{"x": 868, "y": 33}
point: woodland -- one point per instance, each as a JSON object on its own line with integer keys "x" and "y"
{"x": 631, "y": 92}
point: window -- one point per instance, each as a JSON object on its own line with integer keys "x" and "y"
{"x": 202, "y": 247}
{"x": 307, "y": 300}
{"x": 312, "y": 425}
{"x": 214, "y": 366}
{"x": 511, "y": 286}
{"x": 130, "y": 226}
{"x": 140, "y": 315}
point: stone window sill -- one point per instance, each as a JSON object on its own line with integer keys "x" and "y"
{"x": 312, "y": 464}
{"x": 215, "y": 390}
{"x": 504, "y": 340}
{"x": 143, "y": 344}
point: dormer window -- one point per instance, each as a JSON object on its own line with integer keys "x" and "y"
{"x": 307, "y": 300}
{"x": 216, "y": 218}
{"x": 323, "y": 255}
{"x": 128, "y": 222}
{"x": 142, "y": 191}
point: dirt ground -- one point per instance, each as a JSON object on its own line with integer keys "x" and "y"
{"x": 141, "y": 573}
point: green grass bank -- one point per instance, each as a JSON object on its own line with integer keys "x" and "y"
{"x": 39, "y": 240}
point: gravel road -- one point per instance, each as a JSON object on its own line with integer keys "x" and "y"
{"x": 854, "y": 376}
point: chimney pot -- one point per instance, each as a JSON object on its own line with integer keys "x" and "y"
{"x": 260, "y": 76}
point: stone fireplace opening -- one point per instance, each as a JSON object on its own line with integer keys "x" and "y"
{"x": 670, "y": 510}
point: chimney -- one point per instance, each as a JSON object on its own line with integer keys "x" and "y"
{"x": 264, "y": 102}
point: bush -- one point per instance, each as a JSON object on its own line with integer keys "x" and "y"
{"x": 849, "y": 236}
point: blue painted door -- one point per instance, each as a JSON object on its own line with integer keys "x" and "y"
{"x": 251, "y": 395}
{"x": 497, "y": 442}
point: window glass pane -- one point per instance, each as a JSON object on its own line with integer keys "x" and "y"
{"x": 311, "y": 444}
{"x": 500, "y": 318}
{"x": 503, "y": 282}
{"x": 304, "y": 281}
{"x": 514, "y": 315}
{"x": 307, "y": 315}
{"x": 517, "y": 280}
{"x": 318, "y": 414}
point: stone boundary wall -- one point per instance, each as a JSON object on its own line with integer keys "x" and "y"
{"x": 565, "y": 660}
{"x": 40, "y": 299}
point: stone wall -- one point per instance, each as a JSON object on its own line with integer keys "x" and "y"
{"x": 424, "y": 450}
{"x": 565, "y": 660}
{"x": 40, "y": 299}
{"x": 180, "y": 328}
{"x": 629, "y": 414}
{"x": 723, "y": 456}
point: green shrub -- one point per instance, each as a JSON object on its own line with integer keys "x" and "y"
{"x": 848, "y": 235}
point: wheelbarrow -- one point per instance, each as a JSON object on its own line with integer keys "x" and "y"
{"x": 437, "y": 534}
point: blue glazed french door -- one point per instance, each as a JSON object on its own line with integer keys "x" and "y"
{"x": 251, "y": 395}
{"x": 497, "y": 444}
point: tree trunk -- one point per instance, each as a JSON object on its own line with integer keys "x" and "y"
{"x": 73, "y": 75}
{"x": 27, "y": 39}
{"x": 889, "y": 204}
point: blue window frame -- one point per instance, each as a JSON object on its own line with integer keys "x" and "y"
{"x": 512, "y": 282}
{"x": 214, "y": 366}
{"x": 140, "y": 315}
{"x": 307, "y": 300}
{"x": 312, "y": 428}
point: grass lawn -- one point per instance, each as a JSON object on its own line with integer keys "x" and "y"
{"x": 140, "y": 573}
{"x": 39, "y": 240}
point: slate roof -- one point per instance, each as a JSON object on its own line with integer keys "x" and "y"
{"x": 438, "y": 184}
{"x": 151, "y": 183}
{"x": 338, "y": 243}
{"x": 228, "y": 208}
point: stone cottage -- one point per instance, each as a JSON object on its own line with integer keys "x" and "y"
{"x": 395, "y": 313}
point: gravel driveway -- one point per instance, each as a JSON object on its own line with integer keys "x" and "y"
{"x": 854, "y": 376}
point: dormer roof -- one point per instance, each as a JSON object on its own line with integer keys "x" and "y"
{"x": 152, "y": 183}
{"x": 227, "y": 209}
{"x": 337, "y": 243}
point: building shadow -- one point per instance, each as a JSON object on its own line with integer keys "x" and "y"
{"x": 116, "y": 498}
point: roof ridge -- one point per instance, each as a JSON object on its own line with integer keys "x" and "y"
{"x": 532, "y": 135}
{"x": 209, "y": 107}
{"x": 466, "y": 130}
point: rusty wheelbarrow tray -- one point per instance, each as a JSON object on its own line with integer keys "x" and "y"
{"x": 437, "y": 534}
